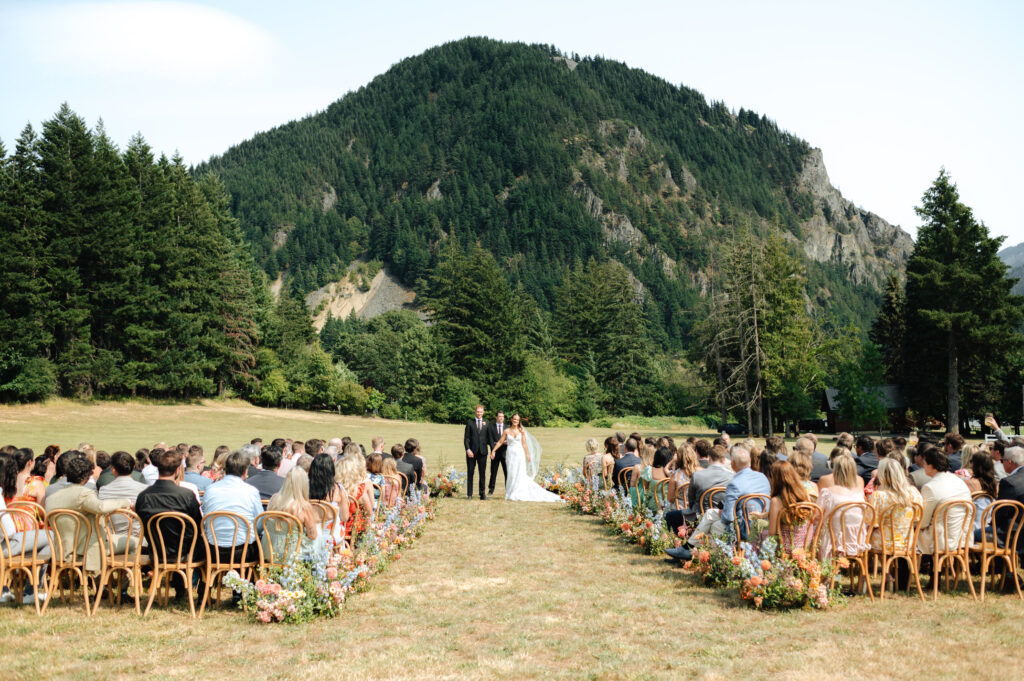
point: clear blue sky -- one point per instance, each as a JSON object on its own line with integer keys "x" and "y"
{"x": 890, "y": 91}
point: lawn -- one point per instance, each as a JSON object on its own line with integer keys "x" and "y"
{"x": 493, "y": 590}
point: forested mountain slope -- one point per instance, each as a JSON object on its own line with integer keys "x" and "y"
{"x": 547, "y": 160}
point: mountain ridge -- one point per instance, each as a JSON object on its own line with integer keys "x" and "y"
{"x": 546, "y": 159}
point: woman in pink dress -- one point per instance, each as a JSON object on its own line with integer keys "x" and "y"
{"x": 846, "y": 486}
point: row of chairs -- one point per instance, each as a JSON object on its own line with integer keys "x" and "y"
{"x": 123, "y": 560}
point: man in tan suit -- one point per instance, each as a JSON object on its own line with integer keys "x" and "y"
{"x": 77, "y": 497}
{"x": 943, "y": 487}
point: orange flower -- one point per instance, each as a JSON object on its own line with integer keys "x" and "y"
{"x": 736, "y": 560}
{"x": 704, "y": 556}
{"x": 766, "y": 565}
{"x": 755, "y": 581}
{"x": 649, "y": 524}
{"x": 687, "y": 564}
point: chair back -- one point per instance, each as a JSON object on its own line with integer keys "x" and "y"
{"x": 849, "y": 524}
{"x": 979, "y": 495}
{"x": 36, "y": 509}
{"x": 378, "y": 500}
{"x": 812, "y": 515}
{"x": 709, "y": 497}
{"x": 681, "y": 493}
{"x": 281, "y": 540}
{"x": 1007, "y": 513}
{"x": 898, "y": 527}
{"x": 606, "y": 476}
{"x": 106, "y": 527}
{"x": 953, "y": 526}
{"x": 26, "y": 554}
{"x": 173, "y": 553}
{"x": 742, "y": 508}
{"x": 390, "y": 491}
{"x": 72, "y": 532}
{"x": 660, "y": 492}
{"x": 233, "y": 527}
{"x": 405, "y": 483}
{"x": 625, "y": 476}
{"x": 326, "y": 516}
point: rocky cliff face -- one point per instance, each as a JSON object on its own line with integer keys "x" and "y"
{"x": 864, "y": 244}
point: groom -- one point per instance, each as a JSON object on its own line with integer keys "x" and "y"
{"x": 475, "y": 442}
{"x": 494, "y": 432}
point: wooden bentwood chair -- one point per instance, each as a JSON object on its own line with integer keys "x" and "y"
{"x": 891, "y": 551}
{"x": 952, "y": 554}
{"x": 241, "y": 535}
{"x": 989, "y": 549}
{"x": 175, "y": 558}
{"x": 122, "y": 557}
{"x": 844, "y": 530}
{"x": 72, "y": 534}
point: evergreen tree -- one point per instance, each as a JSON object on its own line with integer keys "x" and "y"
{"x": 889, "y": 328}
{"x": 962, "y": 316}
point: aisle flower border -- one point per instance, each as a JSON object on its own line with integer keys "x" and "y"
{"x": 642, "y": 526}
{"x": 314, "y": 586}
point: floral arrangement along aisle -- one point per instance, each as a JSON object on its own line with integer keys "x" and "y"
{"x": 313, "y": 586}
{"x": 638, "y": 526}
{"x": 446, "y": 484}
{"x": 766, "y": 576}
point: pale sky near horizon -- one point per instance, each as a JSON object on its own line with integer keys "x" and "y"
{"x": 890, "y": 91}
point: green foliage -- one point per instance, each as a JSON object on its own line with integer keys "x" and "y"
{"x": 961, "y": 315}
{"x": 858, "y": 380}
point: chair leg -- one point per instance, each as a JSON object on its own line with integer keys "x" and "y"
{"x": 886, "y": 563}
{"x": 936, "y": 570}
{"x": 85, "y": 592}
{"x": 191, "y": 592}
{"x": 157, "y": 575}
{"x": 967, "y": 573}
{"x": 206, "y": 593}
{"x": 104, "y": 577}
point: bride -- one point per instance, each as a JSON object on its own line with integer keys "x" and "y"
{"x": 523, "y": 459}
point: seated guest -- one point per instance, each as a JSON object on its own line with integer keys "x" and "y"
{"x": 231, "y": 493}
{"x": 717, "y": 474}
{"x": 293, "y": 498}
{"x": 59, "y": 481}
{"x": 982, "y": 479}
{"x": 827, "y": 481}
{"x": 1012, "y": 488}
{"x": 77, "y": 497}
{"x": 314, "y": 446}
{"x": 652, "y": 473}
{"x": 391, "y": 487}
{"x": 304, "y": 462}
{"x": 765, "y": 461}
{"x": 195, "y": 464}
{"x": 374, "y": 467}
{"x": 626, "y": 461}
{"x": 288, "y": 456}
{"x": 952, "y": 445}
{"x": 35, "y": 484}
{"x": 893, "y": 490}
{"x": 165, "y": 496}
{"x": 819, "y": 462}
{"x": 703, "y": 448}
{"x": 351, "y": 477}
{"x": 323, "y": 487}
{"x": 216, "y": 470}
{"x": 267, "y": 481}
{"x": 412, "y": 457}
{"x": 18, "y": 540}
{"x": 103, "y": 463}
{"x": 846, "y": 486}
{"x": 917, "y": 474}
{"x": 791, "y": 526}
{"x": 123, "y": 486}
{"x": 943, "y": 487}
{"x": 745, "y": 481}
{"x": 404, "y": 467}
{"x": 252, "y": 452}
{"x": 801, "y": 458}
{"x": 592, "y": 459}
{"x": 866, "y": 458}
{"x": 608, "y": 458}
{"x": 685, "y": 466}
{"x": 150, "y": 471}
{"x": 108, "y": 475}
{"x": 777, "y": 446}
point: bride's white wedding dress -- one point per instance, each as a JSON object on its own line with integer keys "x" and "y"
{"x": 520, "y": 485}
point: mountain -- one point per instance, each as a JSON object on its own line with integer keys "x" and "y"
{"x": 1013, "y": 256}
{"x": 546, "y": 160}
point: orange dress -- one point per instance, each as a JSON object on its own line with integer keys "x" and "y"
{"x": 353, "y": 513}
{"x": 35, "y": 490}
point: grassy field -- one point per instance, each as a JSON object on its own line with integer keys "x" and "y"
{"x": 493, "y": 590}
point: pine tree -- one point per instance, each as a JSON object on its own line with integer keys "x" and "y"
{"x": 889, "y": 328}
{"x": 962, "y": 317}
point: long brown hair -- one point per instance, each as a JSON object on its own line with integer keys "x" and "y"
{"x": 787, "y": 486}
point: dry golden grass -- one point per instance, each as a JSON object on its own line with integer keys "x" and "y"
{"x": 494, "y": 590}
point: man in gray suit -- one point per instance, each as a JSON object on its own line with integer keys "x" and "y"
{"x": 717, "y": 474}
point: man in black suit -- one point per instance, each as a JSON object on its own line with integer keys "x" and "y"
{"x": 266, "y": 480}
{"x": 952, "y": 444}
{"x": 866, "y": 458}
{"x": 165, "y": 495}
{"x": 475, "y": 441}
{"x": 494, "y": 432}
{"x": 627, "y": 460}
{"x": 412, "y": 448}
{"x": 398, "y": 454}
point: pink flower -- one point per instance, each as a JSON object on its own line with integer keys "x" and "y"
{"x": 275, "y": 588}
{"x": 263, "y": 616}
{"x": 332, "y": 573}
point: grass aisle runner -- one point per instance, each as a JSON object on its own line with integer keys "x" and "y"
{"x": 504, "y": 590}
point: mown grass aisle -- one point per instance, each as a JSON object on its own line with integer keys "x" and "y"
{"x": 503, "y": 590}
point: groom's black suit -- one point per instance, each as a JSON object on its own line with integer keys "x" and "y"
{"x": 499, "y": 456}
{"x": 475, "y": 440}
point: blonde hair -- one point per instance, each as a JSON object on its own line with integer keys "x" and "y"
{"x": 294, "y": 495}
{"x": 967, "y": 453}
{"x": 844, "y": 470}
{"x": 352, "y": 448}
{"x": 350, "y": 471}
{"x": 892, "y": 477}
{"x": 688, "y": 461}
{"x": 647, "y": 455}
{"x": 388, "y": 467}
{"x": 591, "y": 446}
{"x": 801, "y": 462}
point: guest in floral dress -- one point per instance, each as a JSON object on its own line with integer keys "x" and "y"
{"x": 791, "y": 525}
{"x": 846, "y": 486}
{"x": 893, "y": 489}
